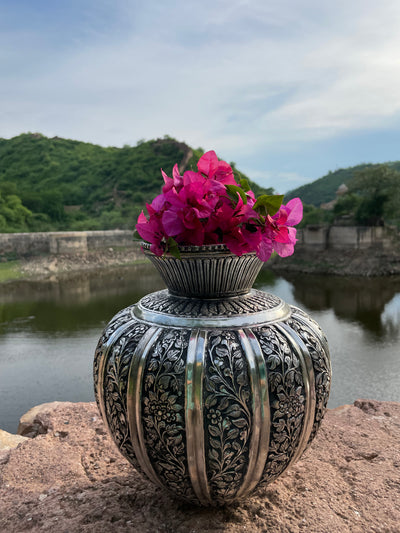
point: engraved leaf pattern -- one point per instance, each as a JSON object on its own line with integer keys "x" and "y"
{"x": 228, "y": 418}
{"x": 321, "y": 366}
{"x": 115, "y": 389}
{"x": 316, "y": 326}
{"x": 163, "y": 411}
{"x": 118, "y": 320}
{"x": 287, "y": 399}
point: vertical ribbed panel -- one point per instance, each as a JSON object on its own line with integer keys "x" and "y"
{"x": 101, "y": 364}
{"x": 114, "y": 384}
{"x": 228, "y": 414}
{"x": 134, "y": 401}
{"x": 309, "y": 388}
{"x": 287, "y": 392}
{"x": 317, "y": 346}
{"x": 261, "y": 412}
{"x": 162, "y": 418}
{"x": 194, "y": 416}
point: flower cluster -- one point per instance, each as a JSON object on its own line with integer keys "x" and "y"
{"x": 211, "y": 207}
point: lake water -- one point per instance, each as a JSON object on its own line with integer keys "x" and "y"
{"x": 49, "y": 330}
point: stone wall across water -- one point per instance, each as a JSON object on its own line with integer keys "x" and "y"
{"x": 344, "y": 237}
{"x": 56, "y": 242}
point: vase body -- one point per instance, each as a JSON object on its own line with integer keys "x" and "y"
{"x": 212, "y": 397}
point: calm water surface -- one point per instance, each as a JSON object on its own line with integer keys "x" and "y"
{"x": 49, "y": 330}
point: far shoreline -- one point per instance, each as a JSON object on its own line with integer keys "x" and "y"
{"x": 368, "y": 263}
{"x": 343, "y": 263}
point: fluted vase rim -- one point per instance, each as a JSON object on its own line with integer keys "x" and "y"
{"x": 194, "y": 249}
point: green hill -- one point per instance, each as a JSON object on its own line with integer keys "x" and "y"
{"x": 60, "y": 184}
{"x": 324, "y": 189}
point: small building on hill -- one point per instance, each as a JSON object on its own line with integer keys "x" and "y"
{"x": 342, "y": 190}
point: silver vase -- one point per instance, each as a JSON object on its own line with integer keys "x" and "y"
{"x": 211, "y": 389}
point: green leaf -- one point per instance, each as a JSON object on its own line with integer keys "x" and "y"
{"x": 244, "y": 185}
{"x": 173, "y": 248}
{"x": 234, "y": 190}
{"x": 268, "y": 204}
{"x": 136, "y": 235}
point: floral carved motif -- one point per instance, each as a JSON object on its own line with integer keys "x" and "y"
{"x": 163, "y": 406}
{"x": 287, "y": 399}
{"x": 301, "y": 313}
{"x": 115, "y": 388}
{"x": 227, "y": 414}
{"x": 118, "y": 320}
{"x": 321, "y": 367}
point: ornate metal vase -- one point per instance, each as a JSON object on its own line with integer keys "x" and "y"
{"x": 210, "y": 388}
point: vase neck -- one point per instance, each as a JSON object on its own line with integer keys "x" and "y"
{"x": 207, "y": 272}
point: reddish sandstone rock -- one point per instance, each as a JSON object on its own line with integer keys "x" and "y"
{"x": 73, "y": 479}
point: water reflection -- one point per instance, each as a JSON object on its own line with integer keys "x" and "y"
{"x": 74, "y": 303}
{"x": 49, "y": 330}
{"x": 367, "y": 302}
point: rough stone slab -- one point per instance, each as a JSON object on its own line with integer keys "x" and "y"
{"x": 73, "y": 479}
{"x": 37, "y": 420}
{"x": 9, "y": 440}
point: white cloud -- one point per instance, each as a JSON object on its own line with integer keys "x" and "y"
{"x": 243, "y": 77}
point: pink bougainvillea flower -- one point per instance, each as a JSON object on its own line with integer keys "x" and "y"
{"x": 208, "y": 164}
{"x": 289, "y": 214}
{"x": 222, "y": 220}
{"x": 235, "y": 242}
{"x": 226, "y": 215}
{"x": 169, "y": 182}
{"x": 151, "y": 231}
{"x": 183, "y": 221}
{"x": 295, "y": 211}
{"x": 284, "y": 235}
{"x": 287, "y": 248}
{"x": 199, "y": 208}
{"x": 251, "y": 199}
{"x": 219, "y": 170}
{"x": 184, "y": 225}
{"x": 176, "y": 180}
{"x": 192, "y": 177}
{"x": 157, "y": 205}
{"x": 187, "y": 208}
{"x": 196, "y": 192}
{"x": 265, "y": 248}
{"x": 243, "y": 239}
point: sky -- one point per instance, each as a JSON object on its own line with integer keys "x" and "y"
{"x": 286, "y": 89}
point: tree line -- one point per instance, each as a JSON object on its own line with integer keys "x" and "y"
{"x": 372, "y": 199}
{"x": 60, "y": 184}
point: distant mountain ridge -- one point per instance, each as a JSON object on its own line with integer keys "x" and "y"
{"x": 324, "y": 189}
{"x": 51, "y": 184}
